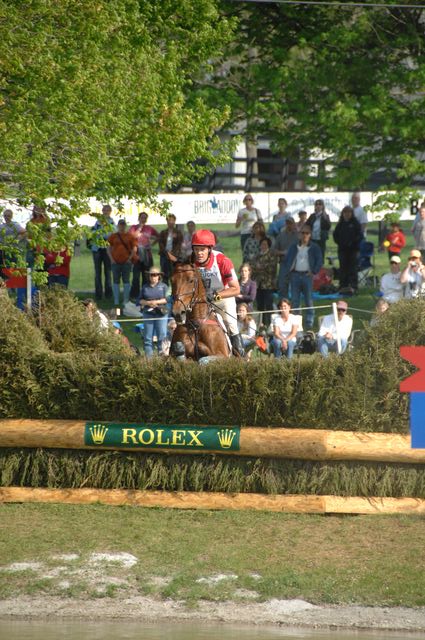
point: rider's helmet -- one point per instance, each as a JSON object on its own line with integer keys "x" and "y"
{"x": 204, "y": 238}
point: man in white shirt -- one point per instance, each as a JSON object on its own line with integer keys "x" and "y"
{"x": 391, "y": 287}
{"x": 359, "y": 212}
{"x": 327, "y": 336}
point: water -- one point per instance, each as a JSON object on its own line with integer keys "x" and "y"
{"x": 82, "y": 630}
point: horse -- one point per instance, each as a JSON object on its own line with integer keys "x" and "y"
{"x": 198, "y": 327}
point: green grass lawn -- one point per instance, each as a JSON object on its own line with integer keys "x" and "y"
{"x": 372, "y": 560}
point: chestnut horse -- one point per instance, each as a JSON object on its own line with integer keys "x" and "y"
{"x": 198, "y": 328}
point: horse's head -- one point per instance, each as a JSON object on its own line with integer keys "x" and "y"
{"x": 185, "y": 286}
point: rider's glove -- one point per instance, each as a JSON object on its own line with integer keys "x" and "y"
{"x": 214, "y": 296}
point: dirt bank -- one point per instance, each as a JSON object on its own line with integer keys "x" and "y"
{"x": 279, "y": 612}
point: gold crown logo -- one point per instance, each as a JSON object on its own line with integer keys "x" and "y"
{"x": 98, "y": 433}
{"x": 225, "y": 437}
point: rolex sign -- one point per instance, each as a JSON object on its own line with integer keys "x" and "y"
{"x": 155, "y": 436}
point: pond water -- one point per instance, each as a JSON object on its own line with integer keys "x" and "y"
{"x": 83, "y": 630}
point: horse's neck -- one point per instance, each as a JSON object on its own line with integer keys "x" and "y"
{"x": 200, "y": 309}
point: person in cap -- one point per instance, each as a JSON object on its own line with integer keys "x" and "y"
{"x": 329, "y": 330}
{"x": 122, "y": 251}
{"x": 220, "y": 281}
{"x": 153, "y": 301}
{"x": 413, "y": 276}
{"x": 391, "y": 287}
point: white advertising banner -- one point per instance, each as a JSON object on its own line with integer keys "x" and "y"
{"x": 209, "y": 208}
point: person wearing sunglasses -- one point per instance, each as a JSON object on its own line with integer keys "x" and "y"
{"x": 247, "y": 217}
{"x": 302, "y": 262}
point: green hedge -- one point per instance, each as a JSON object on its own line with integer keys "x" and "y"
{"x": 117, "y": 470}
{"x": 56, "y": 364}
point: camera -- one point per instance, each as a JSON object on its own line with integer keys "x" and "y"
{"x": 413, "y": 264}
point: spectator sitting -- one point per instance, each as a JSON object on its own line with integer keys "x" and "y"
{"x": 248, "y": 287}
{"x": 95, "y": 315}
{"x": 247, "y": 326}
{"x": 394, "y": 241}
{"x": 251, "y": 250}
{"x": 391, "y": 287}
{"x": 285, "y": 328}
{"x": 381, "y": 307}
{"x": 413, "y": 276}
{"x": 327, "y": 336}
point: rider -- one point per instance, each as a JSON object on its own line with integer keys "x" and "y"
{"x": 220, "y": 281}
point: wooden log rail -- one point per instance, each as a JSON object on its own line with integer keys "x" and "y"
{"x": 311, "y": 504}
{"x": 301, "y": 444}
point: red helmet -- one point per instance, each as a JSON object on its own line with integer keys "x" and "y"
{"x": 203, "y": 237}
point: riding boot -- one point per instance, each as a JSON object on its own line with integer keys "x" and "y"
{"x": 237, "y": 344}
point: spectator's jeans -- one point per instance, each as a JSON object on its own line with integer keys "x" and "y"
{"x": 166, "y": 267}
{"x": 348, "y": 276}
{"x": 302, "y": 283}
{"x": 139, "y": 268}
{"x": 157, "y": 326}
{"x": 325, "y": 345}
{"x": 277, "y": 347}
{"x": 121, "y": 271}
{"x": 100, "y": 257}
{"x": 265, "y": 303}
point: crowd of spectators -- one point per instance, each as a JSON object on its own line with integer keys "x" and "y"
{"x": 280, "y": 266}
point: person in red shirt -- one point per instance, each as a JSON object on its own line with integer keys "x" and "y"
{"x": 220, "y": 281}
{"x": 146, "y": 236}
{"x": 394, "y": 241}
{"x": 122, "y": 251}
{"x": 57, "y": 265}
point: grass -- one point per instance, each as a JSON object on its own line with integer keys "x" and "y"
{"x": 375, "y": 560}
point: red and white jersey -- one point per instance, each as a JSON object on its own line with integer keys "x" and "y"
{"x": 217, "y": 272}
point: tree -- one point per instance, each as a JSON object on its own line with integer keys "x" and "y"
{"x": 346, "y": 82}
{"x": 95, "y": 100}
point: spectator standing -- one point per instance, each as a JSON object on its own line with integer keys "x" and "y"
{"x": 329, "y": 329}
{"x": 248, "y": 287}
{"x": 391, "y": 286}
{"x": 288, "y": 236}
{"x": 285, "y": 329}
{"x": 395, "y": 240}
{"x": 170, "y": 241}
{"x": 39, "y": 217}
{"x": 153, "y": 300}
{"x": 302, "y": 220}
{"x": 187, "y": 239}
{"x": 251, "y": 249}
{"x": 413, "y": 276}
{"x": 10, "y": 234}
{"x": 246, "y": 218}
{"x": 279, "y": 218}
{"x": 320, "y": 224}
{"x": 303, "y": 261}
{"x": 102, "y": 229}
{"x": 122, "y": 252}
{"x": 348, "y": 235}
{"x": 359, "y": 212}
{"x": 418, "y": 231}
{"x": 147, "y": 237}
{"x": 264, "y": 271}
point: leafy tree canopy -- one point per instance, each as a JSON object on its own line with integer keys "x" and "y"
{"x": 345, "y": 81}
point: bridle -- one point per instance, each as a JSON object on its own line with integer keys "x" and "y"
{"x": 193, "y": 293}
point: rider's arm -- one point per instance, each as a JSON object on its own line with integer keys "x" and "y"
{"x": 232, "y": 289}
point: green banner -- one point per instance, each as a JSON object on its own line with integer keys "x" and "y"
{"x": 158, "y": 436}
